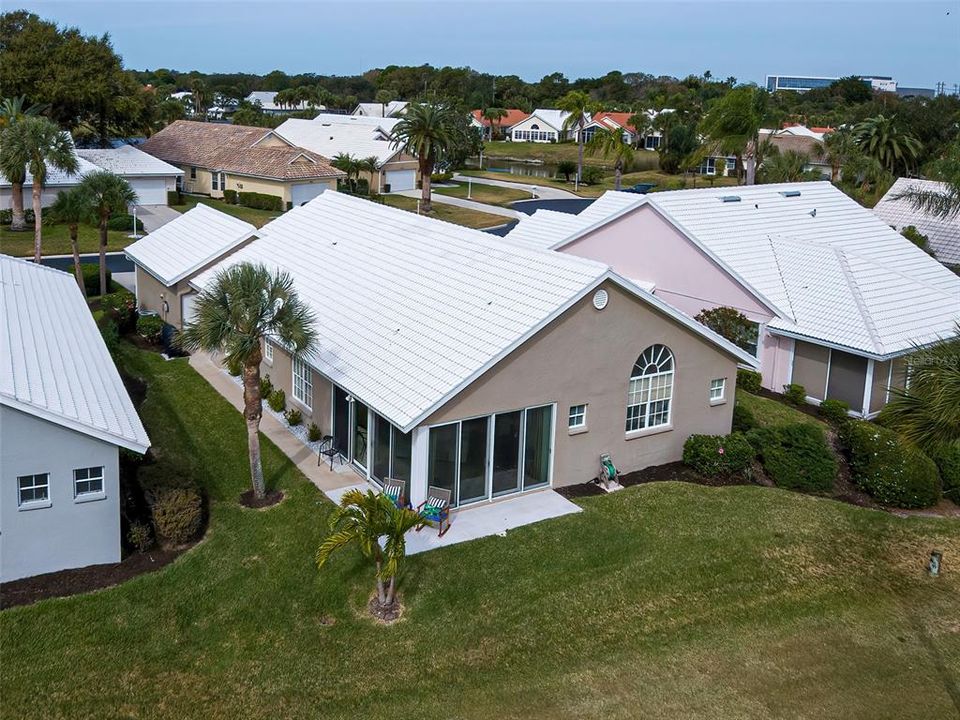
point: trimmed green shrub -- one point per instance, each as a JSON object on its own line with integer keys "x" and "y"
{"x": 749, "y": 380}
{"x": 150, "y": 327}
{"x": 566, "y": 169}
{"x": 293, "y": 417}
{"x": 591, "y": 175}
{"x": 947, "y": 459}
{"x": 795, "y": 456}
{"x": 91, "y": 279}
{"x": 277, "y": 400}
{"x": 261, "y": 201}
{"x": 140, "y": 537}
{"x": 174, "y": 197}
{"x": 314, "y": 433}
{"x": 717, "y": 455}
{"x": 795, "y": 394}
{"x": 743, "y": 419}
{"x": 175, "y": 502}
{"x": 109, "y": 332}
{"x": 123, "y": 306}
{"x": 886, "y": 467}
{"x": 123, "y": 222}
{"x": 230, "y": 197}
{"x": 834, "y": 411}
{"x": 266, "y": 386}
{"x": 234, "y": 367}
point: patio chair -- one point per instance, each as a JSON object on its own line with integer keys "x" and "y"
{"x": 328, "y": 450}
{"x": 436, "y": 509}
{"x": 396, "y": 490}
{"x": 608, "y": 471}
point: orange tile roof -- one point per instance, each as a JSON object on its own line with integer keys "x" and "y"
{"x": 231, "y": 148}
{"x": 620, "y": 118}
{"x": 512, "y": 117}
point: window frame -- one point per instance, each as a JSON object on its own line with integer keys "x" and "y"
{"x": 268, "y": 352}
{"x": 89, "y": 494}
{"x": 193, "y": 172}
{"x": 573, "y": 413}
{"x": 305, "y": 381}
{"x": 35, "y": 502}
{"x": 722, "y": 397}
{"x": 642, "y": 389}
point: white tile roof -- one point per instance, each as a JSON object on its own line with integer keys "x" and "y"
{"x": 266, "y": 100}
{"x": 184, "y": 245}
{"x": 329, "y": 139}
{"x": 555, "y": 118}
{"x": 53, "y": 363}
{"x": 129, "y": 161}
{"x": 833, "y": 271}
{"x": 411, "y": 309}
{"x": 57, "y": 177}
{"x": 390, "y": 109}
{"x": 385, "y": 124}
{"x": 943, "y": 234}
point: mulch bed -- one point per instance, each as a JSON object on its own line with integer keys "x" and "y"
{"x": 83, "y": 580}
{"x": 271, "y": 498}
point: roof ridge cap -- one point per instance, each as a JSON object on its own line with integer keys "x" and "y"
{"x": 858, "y": 299}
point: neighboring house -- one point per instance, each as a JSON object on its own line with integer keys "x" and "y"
{"x": 166, "y": 259}
{"x": 542, "y": 125}
{"x": 149, "y": 177}
{"x": 838, "y": 297}
{"x": 943, "y": 234}
{"x": 503, "y": 126}
{"x": 64, "y": 415}
{"x": 445, "y": 357}
{"x": 801, "y": 139}
{"x": 392, "y": 109}
{"x": 266, "y": 99}
{"x": 646, "y": 137}
{"x": 216, "y": 157}
{"x": 361, "y": 136}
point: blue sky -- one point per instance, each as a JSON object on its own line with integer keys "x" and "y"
{"x": 918, "y": 43}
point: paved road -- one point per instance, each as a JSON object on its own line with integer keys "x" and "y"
{"x": 570, "y": 206}
{"x": 543, "y": 191}
{"x": 155, "y": 216}
{"x": 470, "y": 204}
{"x": 116, "y": 262}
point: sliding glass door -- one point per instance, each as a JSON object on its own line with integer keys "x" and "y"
{"x": 391, "y": 451}
{"x": 473, "y": 461}
{"x": 506, "y": 452}
{"x": 360, "y": 420}
{"x": 341, "y": 421}
{"x": 442, "y": 469}
{"x": 537, "y": 447}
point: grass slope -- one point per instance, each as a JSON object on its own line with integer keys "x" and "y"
{"x": 661, "y": 180}
{"x": 56, "y": 240}
{"x": 450, "y": 213}
{"x": 664, "y": 600}
{"x": 555, "y": 152}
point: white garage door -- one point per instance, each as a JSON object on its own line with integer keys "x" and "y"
{"x": 150, "y": 190}
{"x": 187, "y": 307}
{"x": 402, "y": 180}
{"x": 299, "y": 194}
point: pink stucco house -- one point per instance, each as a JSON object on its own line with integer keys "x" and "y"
{"x": 839, "y": 298}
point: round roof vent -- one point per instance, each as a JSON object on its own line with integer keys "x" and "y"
{"x": 600, "y": 299}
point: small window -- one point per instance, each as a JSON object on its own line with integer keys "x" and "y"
{"x": 268, "y": 352}
{"x": 193, "y": 173}
{"x": 33, "y": 488}
{"x": 87, "y": 481}
{"x": 577, "y": 417}
{"x": 213, "y": 181}
{"x": 302, "y": 383}
{"x": 718, "y": 389}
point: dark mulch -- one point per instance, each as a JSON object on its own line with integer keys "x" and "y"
{"x": 271, "y": 498}
{"x": 82, "y": 580}
{"x": 807, "y": 409}
{"x": 136, "y": 389}
{"x": 144, "y": 344}
{"x": 384, "y": 613}
{"x": 679, "y": 472}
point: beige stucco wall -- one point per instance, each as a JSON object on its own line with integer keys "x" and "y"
{"x": 586, "y": 357}
{"x": 281, "y": 375}
{"x": 151, "y": 294}
{"x": 241, "y": 183}
{"x": 200, "y": 185}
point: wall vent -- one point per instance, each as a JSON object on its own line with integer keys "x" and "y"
{"x": 730, "y": 198}
{"x": 600, "y": 299}
{"x": 791, "y": 193}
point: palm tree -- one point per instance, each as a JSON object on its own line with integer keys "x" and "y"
{"x": 40, "y": 145}
{"x": 927, "y": 412}
{"x": 609, "y": 143}
{"x": 944, "y": 203}
{"x": 494, "y": 115}
{"x": 579, "y": 106}
{"x": 12, "y": 110}
{"x": 245, "y": 304}
{"x": 108, "y": 194}
{"x": 348, "y": 164}
{"x": 426, "y": 131}
{"x": 368, "y": 165}
{"x": 641, "y": 123}
{"x": 734, "y": 122}
{"x": 788, "y": 166}
{"x": 72, "y": 207}
{"x": 363, "y": 519}
{"x": 199, "y": 95}
{"x": 882, "y": 138}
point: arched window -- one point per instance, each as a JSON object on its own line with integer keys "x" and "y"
{"x": 651, "y": 389}
{"x": 534, "y": 127}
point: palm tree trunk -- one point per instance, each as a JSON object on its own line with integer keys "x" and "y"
{"x": 252, "y": 412}
{"x": 18, "y": 223}
{"x": 76, "y": 258}
{"x": 751, "y": 169}
{"x": 391, "y": 591}
{"x": 580, "y": 152}
{"x": 37, "y": 220}
{"x": 426, "y": 170}
{"x": 381, "y": 595}
{"x": 103, "y": 253}
{"x": 617, "y": 174}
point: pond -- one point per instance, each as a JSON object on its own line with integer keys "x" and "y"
{"x": 515, "y": 167}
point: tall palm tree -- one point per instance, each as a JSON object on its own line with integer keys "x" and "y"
{"x": 837, "y": 148}
{"x": 108, "y": 194}
{"x": 733, "y": 123}
{"x": 427, "y": 131}
{"x": 494, "y": 115}
{"x": 788, "y": 166}
{"x": 12, "y": 110}
{"x": 609, "y": 143}
{"x": 882, "y": 138}
{"x": 945, "y": 202}
{"x": 72, "y": 207}
{"x": 40, "y": 145}
{"x": 200, "y": 96}
{"x": 348, "y": 164}
{"x": 579, "y": 106}
{"x": 369, "y": 165}
{"x": 245, "y": 304}
{"x": 363, "y": 519}
{"x": 641, "y": 123}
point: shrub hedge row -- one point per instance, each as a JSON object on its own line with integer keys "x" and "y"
{"x": 795, "y": 456}
{"x": 749, "y": 380}
{"x": 718, "y": 455}
{"x": 261, "y": 201}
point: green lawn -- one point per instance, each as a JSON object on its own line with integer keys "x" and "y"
{"x": 450, "y": 213}
{"x": 664, "y": 601}
{"x": 257, "y": 218}
{"x": 771, "y": 412}
{"x": 56, "y": 240}
{"x": 661, "y": 180}
{"x": 490, "y": 194}
{"x": 555, "y": 152}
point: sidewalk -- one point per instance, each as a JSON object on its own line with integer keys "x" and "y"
{"x": 544, "y": 192}
{"x": 343, "y": 476}
{"x": 470, "y": 204}
{"x": 154, "y": 217}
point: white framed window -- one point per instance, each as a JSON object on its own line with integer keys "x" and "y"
{"x": 577, "y": 417}
{"x": 302, "y": 383}
{"x": 33, "y": 489}
{"x": 213, "y": 180}
{"x": 87, "y": 481}
{"x": 268, "y": 351}
{"x": 718, "y": 390}
{"x": 651, "y": 389}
